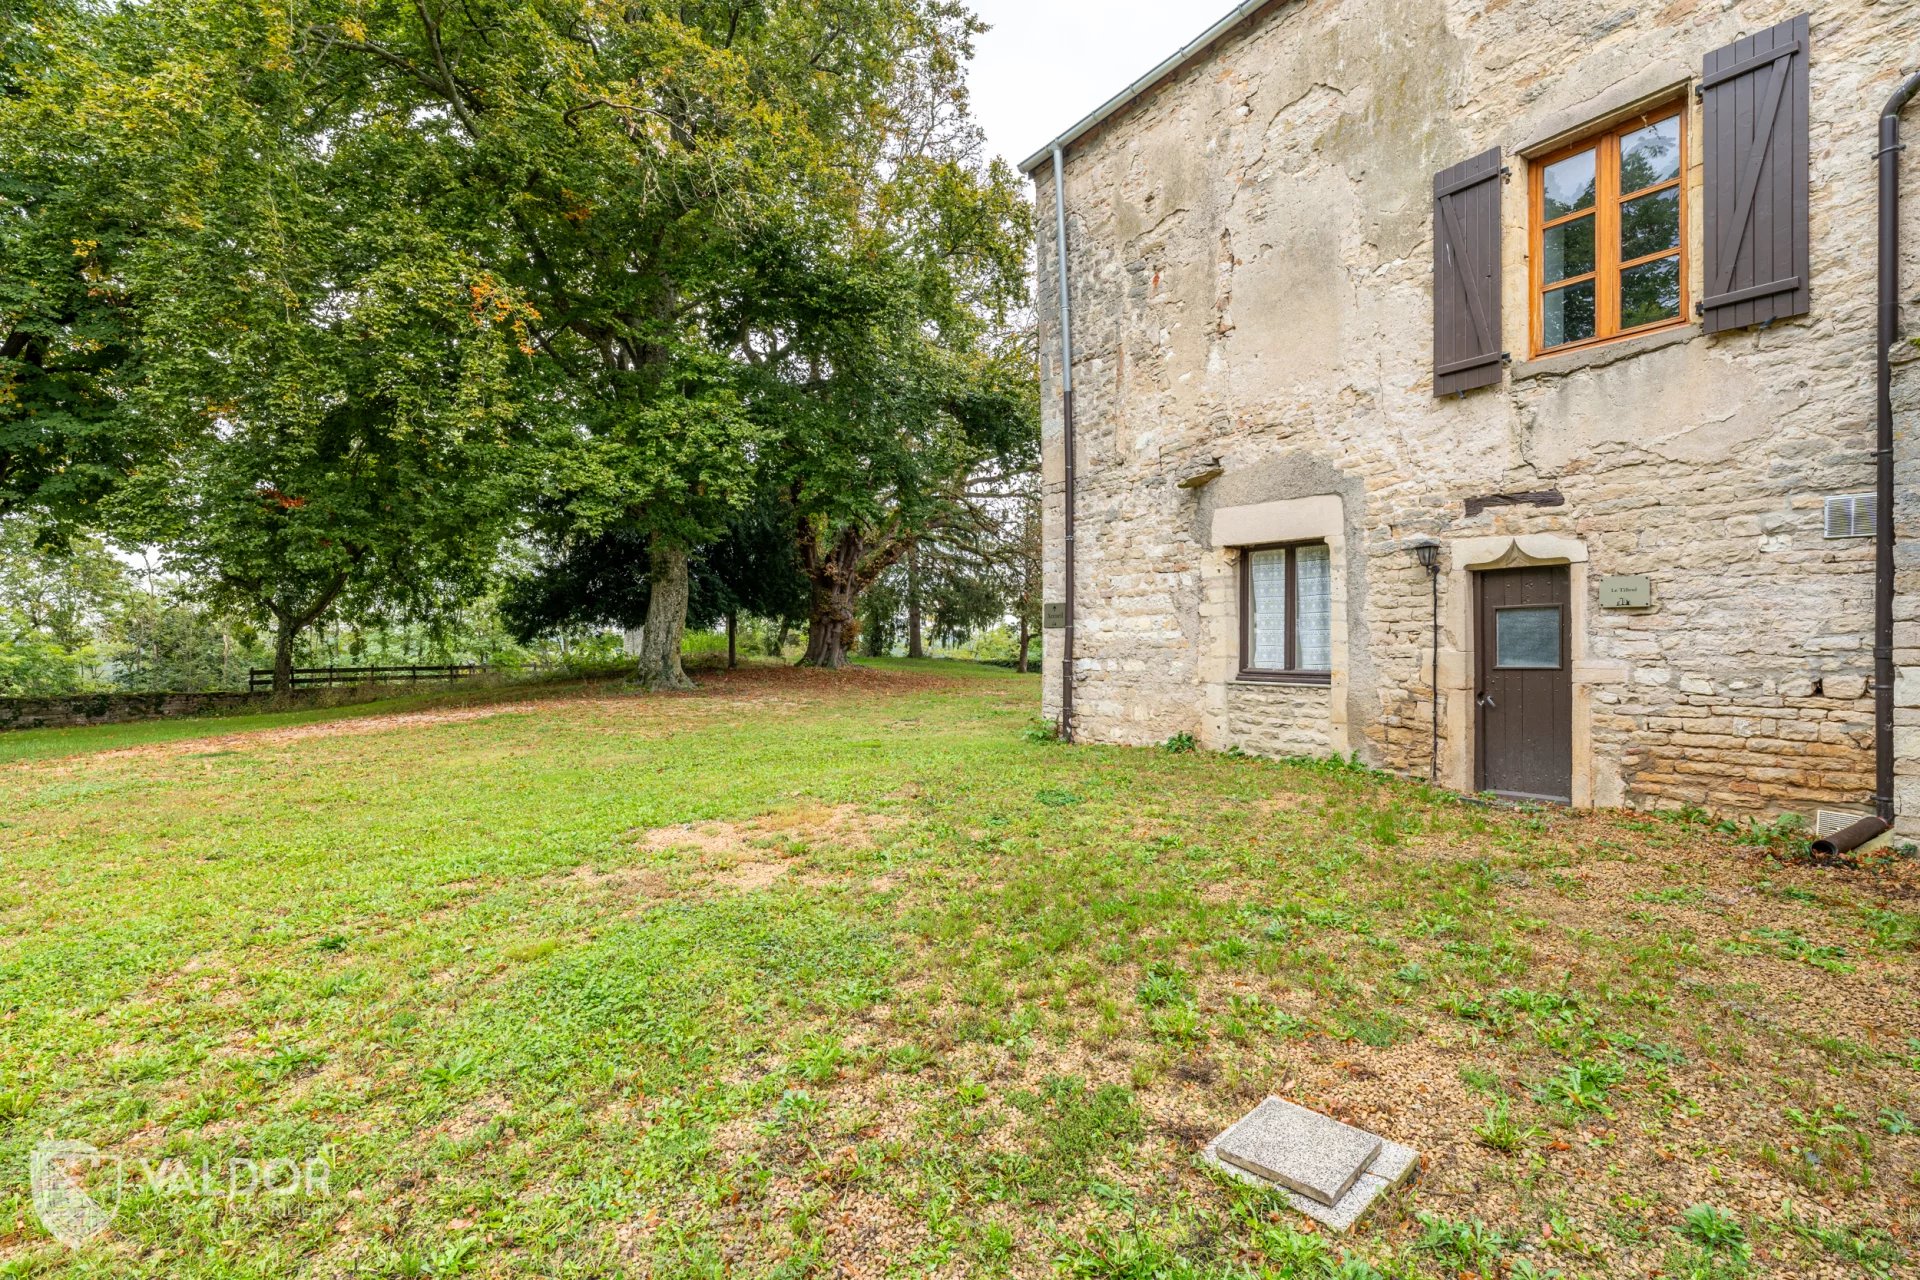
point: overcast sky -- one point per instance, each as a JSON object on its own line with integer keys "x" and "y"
{"x": 1047, "y": 63}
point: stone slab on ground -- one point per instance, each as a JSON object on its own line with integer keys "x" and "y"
{"x": 1302, "y": 1150}
{"x": 1392, "y": 1166}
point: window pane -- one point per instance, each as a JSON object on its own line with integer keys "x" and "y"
{"x": 1650, "y": 156}
{"x": 1650, "y": 292}
{"x": 1568, "y": 185}
{"x": 1527, "y": 639}
{"x": 1313, "y": 565}
{"x": 1268, "y": 571}
{"x": 1566, "y": 315}
{"x": 1649, "y": 224}
{"x": 1567, "y": 250}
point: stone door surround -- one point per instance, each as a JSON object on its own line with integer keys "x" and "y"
{"x": 1466, "y": 557}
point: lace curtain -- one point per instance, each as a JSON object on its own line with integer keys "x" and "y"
{"x": 1269, "y": 570}
{"x": 1313, "y": 565}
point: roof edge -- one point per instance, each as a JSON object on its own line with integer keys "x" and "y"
{"x": 1127, "y": 96}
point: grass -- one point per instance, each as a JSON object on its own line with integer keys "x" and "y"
{"x": 808, "y": 973}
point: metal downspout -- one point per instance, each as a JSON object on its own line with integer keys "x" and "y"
{"x": 1889, "y": 333}
{"x": 1066, "y": 429}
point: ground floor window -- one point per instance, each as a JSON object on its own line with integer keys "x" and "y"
{"x": 1286, "y": 613}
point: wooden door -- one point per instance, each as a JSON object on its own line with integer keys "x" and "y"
{"x": 1524, "y": 695}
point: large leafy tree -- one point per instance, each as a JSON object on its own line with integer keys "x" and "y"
{"x": 67, "y": 342}
{"x": 326, "y": 370}
{"x": 879, "y": 337}
{"x": 612, "y": 161}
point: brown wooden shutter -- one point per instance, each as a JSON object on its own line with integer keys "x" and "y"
{"x": 1755, "y": 128}
{"x": 1466, "y": 275}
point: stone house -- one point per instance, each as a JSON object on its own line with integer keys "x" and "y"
{"x": 1581, "y": 291}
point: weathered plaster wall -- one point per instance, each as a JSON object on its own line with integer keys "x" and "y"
{"x": 1251, "y": 260}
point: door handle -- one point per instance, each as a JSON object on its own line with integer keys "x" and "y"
{"x": 1484, "y": 700}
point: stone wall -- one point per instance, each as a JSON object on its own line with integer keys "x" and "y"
{"x": 1280, "y": 720}
{"x": 1251, "y": 260}
{"x": 121, "y": 708}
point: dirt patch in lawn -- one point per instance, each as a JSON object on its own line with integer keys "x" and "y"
{"x": 844, "y": 826}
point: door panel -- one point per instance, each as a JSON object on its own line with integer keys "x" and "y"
{"x": 1524, "y": 694}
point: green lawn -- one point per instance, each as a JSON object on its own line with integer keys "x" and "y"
{"x": 855, "y": 974}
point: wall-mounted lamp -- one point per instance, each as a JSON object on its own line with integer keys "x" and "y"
{"x": 1427, "y": 552}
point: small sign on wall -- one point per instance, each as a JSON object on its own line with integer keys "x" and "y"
{"x": 1053, "y": 615}
{"x": 1626, "y": 591}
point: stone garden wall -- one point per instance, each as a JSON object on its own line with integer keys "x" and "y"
{"x": 120, "y": 708}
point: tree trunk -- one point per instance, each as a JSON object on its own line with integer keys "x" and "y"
{"x": 286, "y": 630}
{"x": 916, "y": 645}
{"x": 733, "y": 636}
{"x": 1021, "y": 664}
{"x": 666, "y": 619}
{"x": 835, "y": 578}
{"x": 780, "y": 641}
{"x": 828, "y": 621}
{"x": 837, "y": 575}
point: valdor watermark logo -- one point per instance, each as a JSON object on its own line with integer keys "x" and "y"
{"x": 76, "y": 1187}
{"x": 66, "y": 1198}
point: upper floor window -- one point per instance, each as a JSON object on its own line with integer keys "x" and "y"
{"x": 1609, "y": 248}
{"x": 1286, "y": 613}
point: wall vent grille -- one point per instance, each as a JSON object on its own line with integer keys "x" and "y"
{"x": 1828, "y": 821}
{"x": 1853, "y": 515}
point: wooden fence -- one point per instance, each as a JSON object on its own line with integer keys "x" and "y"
{"x": 331, "y": 677}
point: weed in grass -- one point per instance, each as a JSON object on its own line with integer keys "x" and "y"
{"x": 287, "y": 1061}
{"x": 1831, "y": 1156}
{"x": 1869, "y": 1247}
{"x": 796, "y": 1107}
{"x": 1293, "y": 1252}
{"x": 1132, "y": 1254}
{"x": 1470, "y": 1244}
{"x": 1673, "y": 895}
{"x": 1375, "y": 1027}
{"x": 1581, "y": 1086}
{"x": 1525, "y": 1269}
{"x": 1041, "y": 731}
{"x": 1831, "y": 959}
{"x": 16, "y": 1103}
{"x": 1055, "y": 799}
{"x": 1502, "y": 1132}
{"x": 455, "y": 1070}
{"x": 1414, "y": 974}
{"x": 1179, "y": 744}
{"x": 1784, "y": 831}
{"x": 910, "y": 1058}
{"x": 1230, "y": 951}
{"x": 1897, "y": 1122}
{"x": 1716, "y": 1248}
{"x": 819, "y": 1060}
{"x": 1894, "y": 930}
{"x": 1479, "y": 1079}
{"x": 1165, "y": 984}
{"x": 1714, "y": 1229}
{"x": 1844, "y": 1050}
{"x": 1179, "y": 1024}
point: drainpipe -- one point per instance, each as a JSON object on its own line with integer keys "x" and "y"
{"x": 1889, "y": 157}
{"x": 1066, "y": 428}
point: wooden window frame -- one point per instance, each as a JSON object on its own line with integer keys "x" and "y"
{"x": 1292, "y": 672}
{"x": 1607, "y": 262}
{"x": 1560, "y": 628}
